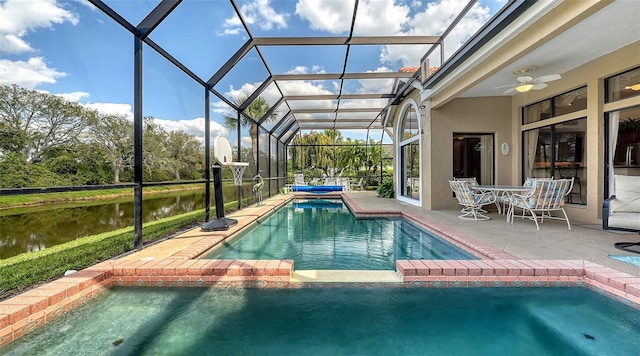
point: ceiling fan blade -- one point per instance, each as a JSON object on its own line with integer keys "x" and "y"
{"x": 510, "y": 91}
{"x": 506, "y": 86}
{"x": 538, "y": 86}
{"x": 548, "y": 78}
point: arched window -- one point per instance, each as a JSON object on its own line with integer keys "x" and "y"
{"x": 409, "y": 154}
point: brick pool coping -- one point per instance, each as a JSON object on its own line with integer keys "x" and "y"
{"x": 22, "y": 313}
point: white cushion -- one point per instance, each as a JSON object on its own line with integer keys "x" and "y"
{"x": 625, "y": 220}
{"x": 627, "y": 194}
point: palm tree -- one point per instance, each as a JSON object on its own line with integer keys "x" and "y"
{"x": 256, "y": 110}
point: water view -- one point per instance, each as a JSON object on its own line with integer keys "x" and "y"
{"x": 26, "y": 230}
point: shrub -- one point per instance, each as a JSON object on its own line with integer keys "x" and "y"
{"x": 385, "y": 190}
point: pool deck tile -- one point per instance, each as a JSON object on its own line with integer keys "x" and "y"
{"x": 406, "y": 268}
{"x": 198, "y": 267}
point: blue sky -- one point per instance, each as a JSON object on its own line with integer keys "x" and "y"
{"x": 69, "y": 48}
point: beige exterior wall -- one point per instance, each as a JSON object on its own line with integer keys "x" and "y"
{"x": 592, "y": 75}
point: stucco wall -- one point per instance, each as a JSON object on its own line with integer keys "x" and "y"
{"x": 464, "y": 115}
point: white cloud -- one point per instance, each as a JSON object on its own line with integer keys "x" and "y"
{"x": 193, "y": 127}
{"x": 246, "y": 141}
{"x": 75, "y": 96}
{"x": 434, "y": 21}
{"x": 326, "y": 15}
{"x": 369, "y": 22}
{"x": 112, "y": 109}
{"x": 27, "y": 74}
{"x": 18, "y": 17}
{"x": 259, "y": 13}
{"x": 335, "y": 17}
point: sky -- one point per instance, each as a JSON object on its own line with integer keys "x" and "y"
{"x": 71, "y": 49}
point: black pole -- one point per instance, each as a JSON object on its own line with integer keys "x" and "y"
{"x": 220, "y": 223}
{"x": 207, "y": 155}
{"x": 137, "y": 142}
{"x": 239, "y": 159}
{"x": 217, "y": 186}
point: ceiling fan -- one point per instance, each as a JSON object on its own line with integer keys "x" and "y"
{"x": 526, "y": 82}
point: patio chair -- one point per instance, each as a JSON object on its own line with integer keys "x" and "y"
{"x": 344, "y": 182}
{"x": 473, "y": 182}
{"x": 471, "y": 201}
{"x": 298, "y": 179}
{"x": 330, "y": 181}
{"x": 547, "y": 196}
{"x": 528, "y": 183}
{"x": 359, "y": 185}
{"x": 572, "y": 172}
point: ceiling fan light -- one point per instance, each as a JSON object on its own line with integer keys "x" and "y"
{"x": 633, "y": 87}
{"x": 524, "y": 88}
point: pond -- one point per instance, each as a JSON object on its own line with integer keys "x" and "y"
{"x": 26, "y": 230}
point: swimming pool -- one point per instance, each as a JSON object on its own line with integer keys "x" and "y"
{"x": 323, "y": 234}
{"x": 340, "y": 321}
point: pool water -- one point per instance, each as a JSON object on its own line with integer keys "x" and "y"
{"x": 323, "y": 234}
{"x": 340, "y": 321}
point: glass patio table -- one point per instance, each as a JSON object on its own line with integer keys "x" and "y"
{"x": 503, "y": 191}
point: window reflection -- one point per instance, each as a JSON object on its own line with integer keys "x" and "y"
{"x": 410, "y": 124}
{"x": 572, "y": 101}
{"x": 558, "y": 151}
{"x": 411, "y": 164}
{"x": 410, "y": 155}
{"x": 624, "y": 85}
{"x": 538, "y": 111}
{"x": 473, "y": 157}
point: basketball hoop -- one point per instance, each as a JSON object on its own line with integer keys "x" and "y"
{"x": 238, "y": 169}
{"x": 224, "y": 155}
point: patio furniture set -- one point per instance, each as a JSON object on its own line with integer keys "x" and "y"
{"x": 537, "y": 199}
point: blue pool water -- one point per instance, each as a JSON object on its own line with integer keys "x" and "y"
{"x": 323, "y": 234}
{"x": 340, "y": 321}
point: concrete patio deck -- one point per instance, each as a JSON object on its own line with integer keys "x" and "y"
{"x": 585, "y": 240}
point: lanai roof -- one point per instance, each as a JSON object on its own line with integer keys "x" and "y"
{"x": 311, "y": 60}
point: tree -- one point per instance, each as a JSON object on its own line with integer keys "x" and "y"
{"x": 185, "y": 153}
{"x": 18, "y": 173}
{"x": 113, "y": 134}
{"x": 41, "y": 120}
{"x": 256, "y": 110}
{"x": 155, "y": 156}
{"x": 351, "y": 155}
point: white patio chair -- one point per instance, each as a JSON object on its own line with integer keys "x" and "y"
{"x": 547, "y": 196}
{"x": 298, "y": 179}
{"x": 528, "y": 183}
{"x": 330, "y": 181}
{"x": 359, "y": 185}
{"x": 471, "y": 201}
{"x": 473, "y": 182}
{"x": 344, "y": 182}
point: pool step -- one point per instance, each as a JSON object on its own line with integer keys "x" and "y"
{"x": 345, "y": 276}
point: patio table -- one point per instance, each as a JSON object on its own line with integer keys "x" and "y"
{"x": 502, "y": 190}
